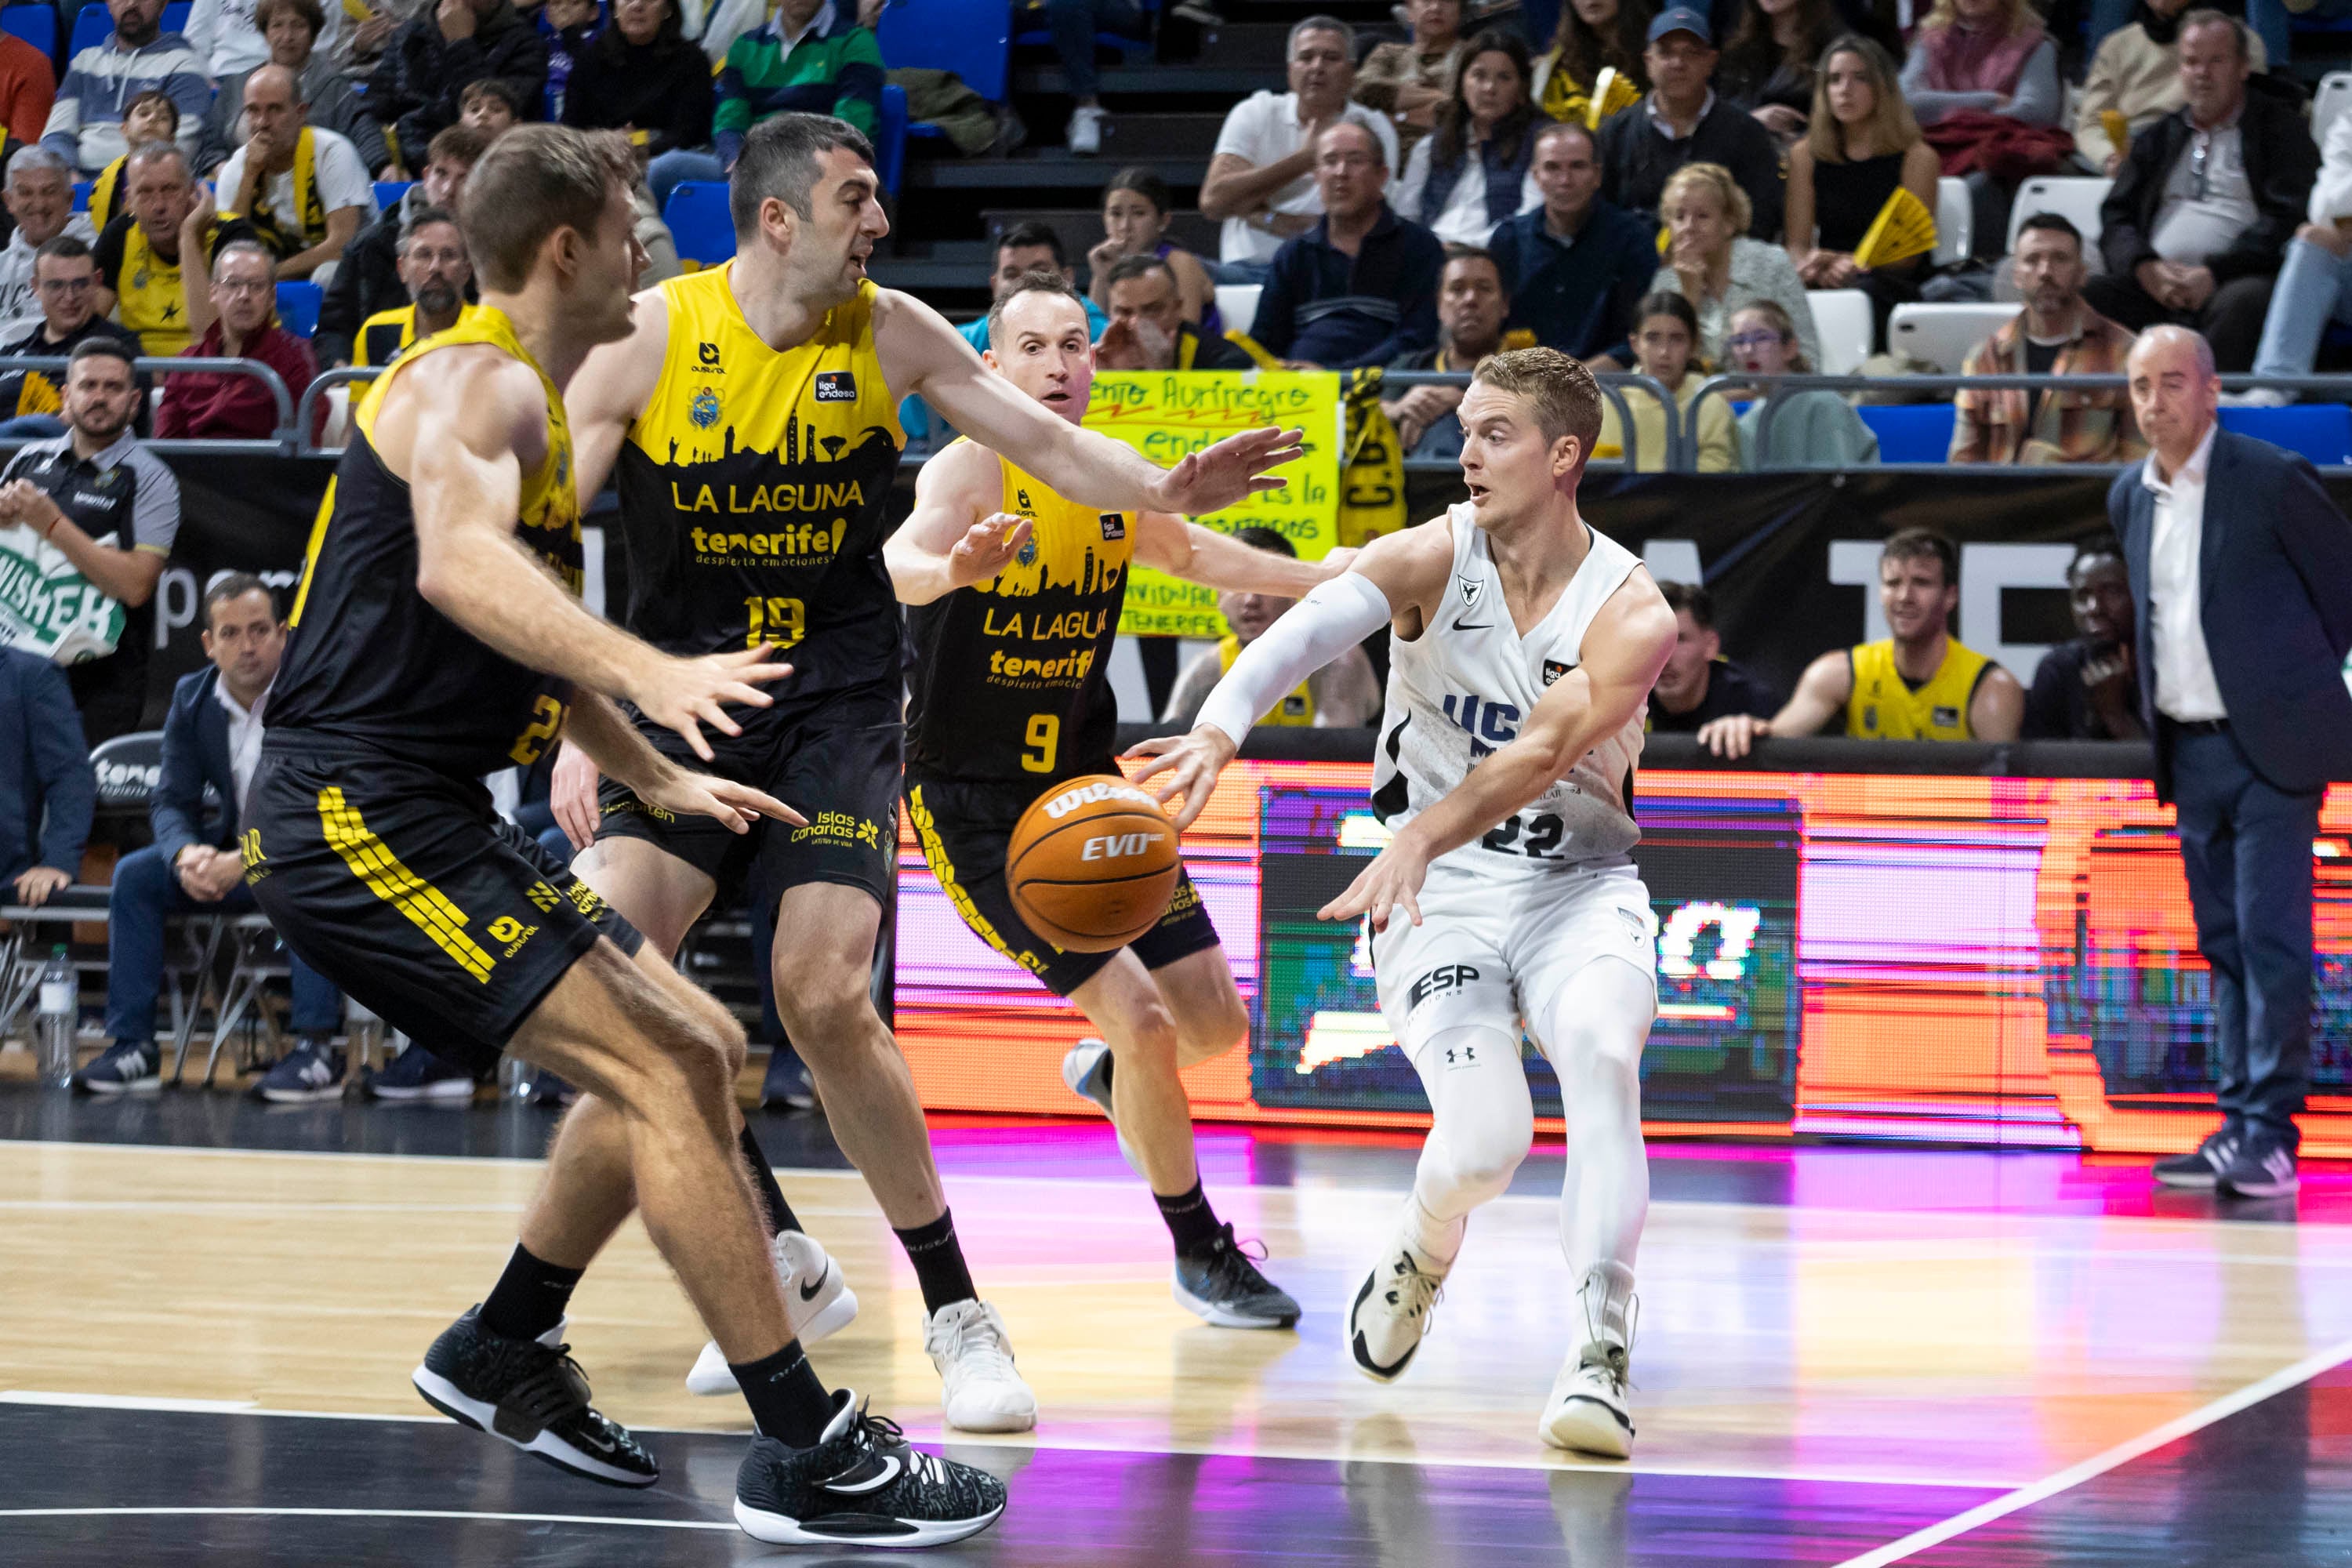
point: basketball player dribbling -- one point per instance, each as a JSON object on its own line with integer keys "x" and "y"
{"x": 1525, "y": 648}
{"x": 1017, "y": 593}
{"x": 751, "y": 418}
{"x": 437, "y": 636}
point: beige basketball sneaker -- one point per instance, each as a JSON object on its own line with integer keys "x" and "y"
{"x": 1392, "y": 1311}
{"x": 1587, "y": 1413}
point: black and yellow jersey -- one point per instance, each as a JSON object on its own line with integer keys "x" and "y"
{"x": 368, "y": 660}
{"x": 752, "y": 490}
{"x": 1886, "y": 707}
{"x": 106, "y": 193}
{"x": 386, "y": 336}
{"x": 1011, "y": 676}
{"x": 146, "y": 287}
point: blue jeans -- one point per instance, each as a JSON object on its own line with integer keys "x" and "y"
{"x": 2246, "y": 846}
{"x": 673, "y": 169}
{"x": 31, "y": 427}
{"x": 1075, "y": 23}
{"x": 2314, "y": 288}
{"x": 145, "y": 895}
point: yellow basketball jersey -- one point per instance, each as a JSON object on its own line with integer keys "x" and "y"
{"x": 1296, "y": 711}
{"x": 1885, "y": 707}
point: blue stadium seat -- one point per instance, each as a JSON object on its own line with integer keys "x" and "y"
{"x": 36, "y": 24}
{"x": 81, "y": 194}
{"x": 1910, "y": 432}
{"x": 389, "y": 191}
{"x": 2320, "y": 431}
{"x": 891, "y": 137}
{"x": 176, "y": 13}
{"x": 698, "y": 221}
{"x": 91, "y": 24}
{"x": 973, "y": 39}
{"x": 297, "y": 307}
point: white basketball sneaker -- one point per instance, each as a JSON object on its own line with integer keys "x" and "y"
{"x": 985, "y": 1391}
{"x": 1086, "y": 1069}
{"x": 818, "y": 1302}
{"x": 1392, "y": 1311}
{"x": 1588, "y": 1413}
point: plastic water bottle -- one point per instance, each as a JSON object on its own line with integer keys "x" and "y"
{"x": 59, "y": 1010}
{"x": 362, "y": 1028}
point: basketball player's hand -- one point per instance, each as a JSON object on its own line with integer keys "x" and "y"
{"x": 1191, "y": 762}
{"x": 1217, "y": 477}
{"x": 1392, "y": 883}
{"x": 724, "y": 800}
{"x": 987, "y": 547}
{"x": 571, "y": 795}
{"x": 1733, "y": 735}
{"x": 685, "y": 694}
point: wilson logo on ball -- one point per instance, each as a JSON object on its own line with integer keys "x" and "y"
{"x": 1088, "y": 794}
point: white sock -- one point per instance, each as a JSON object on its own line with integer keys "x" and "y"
{"x": 1437, "y": 1240}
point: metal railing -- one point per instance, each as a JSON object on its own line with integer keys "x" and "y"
{"x": 306, "y": 416}
{"x": 1613, "y": 386}
{"x": 280, "y": 441}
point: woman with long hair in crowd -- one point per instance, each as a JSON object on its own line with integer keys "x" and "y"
{"x": 1812, "y": 428}
{"x": 1592, "y": 34}
{"x": 1772, "y": 58}
{"x": 1993, "y": 58}
{"x": 1862, "y": 146}
{"x": 1665, "y": 349}
{"x": 1136, "y": 211}
{"x": 640, "y": 73}
{"x": 1712, "y": 262}
{"x": 1411, "y": 81}
{"x": 1471, "y": 172}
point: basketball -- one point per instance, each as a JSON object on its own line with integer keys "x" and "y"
{"x": 1092, "y": 864}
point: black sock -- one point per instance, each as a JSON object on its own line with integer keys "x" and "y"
{"x": 788, "y": 1401}
{"x": 1190, "y": 1220}
{"x": 939, "y": 1262}
{"x": 530, "y": 1297}
{"x": 781, "y": 1217}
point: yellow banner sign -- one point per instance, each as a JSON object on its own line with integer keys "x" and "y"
{"x": 1164, "y": 415}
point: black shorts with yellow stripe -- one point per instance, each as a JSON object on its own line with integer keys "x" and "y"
{"x": 402, "y": 885}
{"x": 833, "y": 757}
{"x": 966, "y": 828}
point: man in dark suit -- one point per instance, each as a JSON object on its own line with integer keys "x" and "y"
{"x": 212, "y": 740}
{"x": 2242, "y": 578}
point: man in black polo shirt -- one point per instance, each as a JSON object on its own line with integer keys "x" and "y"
{"x": 88, "y": 518}
{"x": 1681, "y": 120}
{"x": 65, "y": 286}
{"x": 1360, "y": 286}
{"x": 1699, "y": 683}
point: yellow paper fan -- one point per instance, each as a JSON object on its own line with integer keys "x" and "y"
{"x": 1904, "y": 228}
{"x": 2117, "y": 128}
{"x": 1612, "y": 93}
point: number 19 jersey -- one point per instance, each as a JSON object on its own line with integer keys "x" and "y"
{"x": 753, "y": 490}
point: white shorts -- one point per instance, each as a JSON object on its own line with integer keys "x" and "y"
{"x": 1492, "y": 950}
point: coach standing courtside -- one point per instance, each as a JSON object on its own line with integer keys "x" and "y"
{"x": 2242, "y": 575}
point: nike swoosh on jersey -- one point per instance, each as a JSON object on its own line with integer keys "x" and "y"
{"x": 1466, "y": 626}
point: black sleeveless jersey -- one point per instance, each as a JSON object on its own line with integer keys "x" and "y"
{"x": 752, "y": 490}
{"x": 368, "y": 659}
{"x": 1011, "y": 677}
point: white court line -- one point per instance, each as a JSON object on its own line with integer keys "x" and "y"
{"x": 2098, "y": 1464}
{"x": 264, "y": 1512}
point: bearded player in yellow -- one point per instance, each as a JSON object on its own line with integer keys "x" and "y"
{"x": 1017, "y": 592}
{"x": 751, "y": 419}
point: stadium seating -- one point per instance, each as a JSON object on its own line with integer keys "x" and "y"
{"x": 891, "y": 137}
{"x": 36, "y": 24}
{"x": 388, "y": 193}
{"x": 2320, "y": 431}
{"x": 1943, "y": 335}
{"x": 1237, "y": 305}
{"x": 973, "y": 39}
{"x": 81, "y": 194}
{"x": 698, "y": 221}
{"x": 93, "y": 23}
{"x": 2075, "y": 200}
{"x": 1956, "y": 222}
{"x": 298, "y": 306}
{"x": 1038, "y": 37}
{"x": 1910, "y": 432}
{"x": 1842, "y": 317}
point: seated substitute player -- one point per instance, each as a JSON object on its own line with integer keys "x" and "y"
{"x": 1918, "y": 683}
{"x": 751, "y": 420}
{"x": 1018, "y": 593}
{"x": 438, "y": 600}
{"x": 1525, "y": 646}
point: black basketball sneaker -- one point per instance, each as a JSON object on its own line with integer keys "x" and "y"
{"x": 862, "y": 1485}
{"x": 1224, "y": 1286}
{"x": 533, "y": 1395}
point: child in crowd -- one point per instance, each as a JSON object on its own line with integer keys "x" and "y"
{"x": 1136, "y": 211}
{"x": 1665, "y": 343}
{"x": 1810, "y": 429}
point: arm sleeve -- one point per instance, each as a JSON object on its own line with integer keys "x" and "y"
{"x": 61, "y": 758}
{"x": 1334, "y": 617}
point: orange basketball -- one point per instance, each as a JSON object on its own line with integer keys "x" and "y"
{"x": 1092, "y": 864}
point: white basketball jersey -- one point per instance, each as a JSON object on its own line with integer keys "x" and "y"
{"x": 1462, "y": 688}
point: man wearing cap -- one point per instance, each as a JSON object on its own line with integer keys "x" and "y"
{"x": 1682, "y": 122}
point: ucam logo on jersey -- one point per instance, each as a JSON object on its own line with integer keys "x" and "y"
{"x": 1489, "y": 723}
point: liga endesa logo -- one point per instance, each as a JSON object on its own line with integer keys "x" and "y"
{"x": 1069, "y": 800}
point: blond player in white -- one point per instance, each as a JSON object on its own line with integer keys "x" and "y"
{"x": 1525, "y": 646}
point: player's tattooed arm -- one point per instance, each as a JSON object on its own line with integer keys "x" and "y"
{"x": 955, "y": 536}
{"x": 1168, "y": 543}
{"x": 920, "y": 354}
{"x": 1625, "y": 650}
{"x": 600, "y": 734}
{"x": 460, "y": 426}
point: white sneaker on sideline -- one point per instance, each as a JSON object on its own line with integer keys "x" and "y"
{"x": 1085, "y": 132}
{"x": 985, "y": 1391}
{"x": 818, "y": 1302}
{"x": 1392, "y": 1311}
{"x": 1587, "y": 1412}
